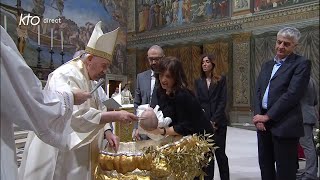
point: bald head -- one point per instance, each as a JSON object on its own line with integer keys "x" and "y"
{"x": 156, "y": 48}
{"x": 149, "y": 121}
{"x": 155, "y": 54}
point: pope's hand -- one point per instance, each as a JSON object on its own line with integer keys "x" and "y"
{"x": 124, "y": 116}
{"x": 80, "y": 96}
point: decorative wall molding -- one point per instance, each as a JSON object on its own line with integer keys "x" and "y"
{"x": 208, "y": 31}
{"x": 241, "y": 70}
{"x": 243, "y": 37}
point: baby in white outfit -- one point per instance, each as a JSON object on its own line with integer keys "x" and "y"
{"x": 150, "y": 119}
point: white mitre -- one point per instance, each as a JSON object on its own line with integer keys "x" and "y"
{"x": 100, "y": 44}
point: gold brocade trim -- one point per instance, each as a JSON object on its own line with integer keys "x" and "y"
{"x": 100, "y": 175}
{"x": 99, "y": 53}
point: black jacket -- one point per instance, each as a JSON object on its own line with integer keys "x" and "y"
{"x": 286, "y": 89}
{"x": 185, "y": 111}
{"x": 213, "y": 100}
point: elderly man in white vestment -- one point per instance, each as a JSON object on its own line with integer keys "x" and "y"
{"x": 24, "y": 103}
{"x": 87, "y": 122}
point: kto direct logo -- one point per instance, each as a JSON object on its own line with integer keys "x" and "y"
{"x": 35, "y": 20}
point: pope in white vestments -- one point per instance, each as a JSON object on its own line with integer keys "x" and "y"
{"x": 24, "y": 103}
{"x": 89, "y": 119}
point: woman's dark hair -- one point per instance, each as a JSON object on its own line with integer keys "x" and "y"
{"x": 214, "y": 76}
{"x": 174, "y": 66}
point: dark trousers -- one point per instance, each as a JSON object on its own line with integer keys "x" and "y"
{"x": 220, "y": 153}
{"x": 282, "y": 151}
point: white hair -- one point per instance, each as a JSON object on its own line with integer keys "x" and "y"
{"x": 83, "y": 56}
{"x": 291, "y": 33}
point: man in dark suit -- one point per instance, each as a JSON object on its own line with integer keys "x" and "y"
{"x": 146, "y": 83}
{"x": 278, "y": 117}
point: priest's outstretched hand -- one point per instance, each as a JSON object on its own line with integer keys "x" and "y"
{"x": 117, "y": 116}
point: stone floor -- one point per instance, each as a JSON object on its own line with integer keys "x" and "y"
{"x": 243, "y": 155}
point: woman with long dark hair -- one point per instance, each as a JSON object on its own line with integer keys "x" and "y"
{"x": 180, "y": 104}
{"x": 211, "y": 91}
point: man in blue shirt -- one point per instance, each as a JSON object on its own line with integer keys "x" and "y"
{"x": 280, "y": 86}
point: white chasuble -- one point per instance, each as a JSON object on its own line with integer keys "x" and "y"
{"x": 25, "y": 104}
{"x": 44, "y": 162}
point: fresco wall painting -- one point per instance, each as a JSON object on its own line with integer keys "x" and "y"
{"x": 76, "y": 22}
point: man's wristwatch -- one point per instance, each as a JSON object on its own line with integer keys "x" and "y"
{"x": 164, "y": 131}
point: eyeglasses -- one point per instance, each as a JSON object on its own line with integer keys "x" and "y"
{"x": 154, "y": 58}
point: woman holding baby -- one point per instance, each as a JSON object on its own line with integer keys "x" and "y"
{"x": 180, "y": 104}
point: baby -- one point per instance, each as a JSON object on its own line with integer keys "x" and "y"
{"x": 150, "y": 119}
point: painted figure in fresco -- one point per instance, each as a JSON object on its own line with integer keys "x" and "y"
{"x": 215, "y": 7}
{"x": 167, "y": 3}
{"x": 83, "y": 36}
{"x": 142, "y": 26}
{"x": 119, "y": 12}
{"x": 162, "y": 14}
{"x": 175, "y": 7}
{"x": 60, "y": 6}
{"x": 268, "y": 4}
{"x": 146, "y": 15}
{"x": 223, "y": 7}
{"x": 187, "y": 10}
{"x": 22, "y": 32}
{"x": 180, "y": 13}
{"x": 39, "y": 7}
{"x": 108, "y": 5}
{"x": 168, "y": 17}
{"x": 199, "y": 11}
{"x": 74, "y": 39}
{"x": 209, "y": 10}
{"x": 257, "y": 5}
{"x": 152, "y": 18}
{"x": 120, "y": 57}
{"x": 156, "y": 14}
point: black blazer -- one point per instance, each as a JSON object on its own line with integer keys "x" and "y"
{"x": 185, "y": 111}
{"x": 213, "y": 100}
{"x": 287, "y": 87}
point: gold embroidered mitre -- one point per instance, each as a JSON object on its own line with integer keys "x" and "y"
{"x": 100, "y": 44}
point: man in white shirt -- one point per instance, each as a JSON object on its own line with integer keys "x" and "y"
{"x": 116, "y": 92}
{"x": 145, "y": 84}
